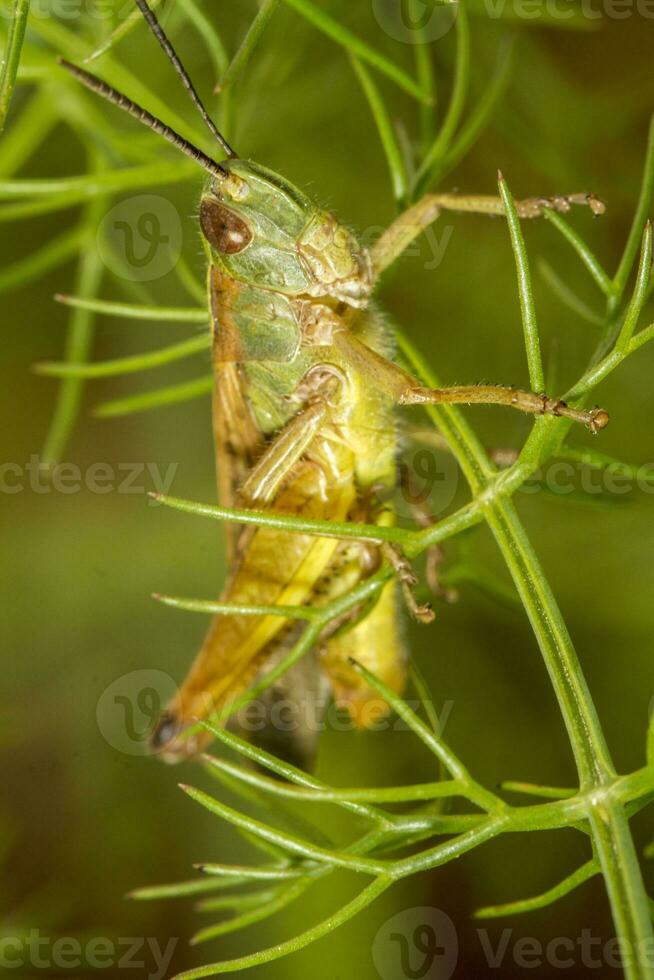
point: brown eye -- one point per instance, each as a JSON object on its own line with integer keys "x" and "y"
{"x": 223, "y": 229}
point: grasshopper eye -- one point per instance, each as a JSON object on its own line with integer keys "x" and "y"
{"x": 224, "y": 230}
{"x": 165, "y": 730}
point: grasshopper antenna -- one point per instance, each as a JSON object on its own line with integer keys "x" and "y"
{"x": 101, "y": 88}
{"x": 172, "y": 56}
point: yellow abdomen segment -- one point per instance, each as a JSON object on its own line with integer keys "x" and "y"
{"x": 376, "y": 643}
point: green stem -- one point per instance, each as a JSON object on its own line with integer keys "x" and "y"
{"x": 392, "y": 151}
{"x": 249, "y": 43}
{"x": 339, "y": 33}
{"x": 11, "y": 56}
{"x": 617, "y": 856}
{"x": 525, "y": 292}
{"x": 640, "y": 217}
{"x": 442, "y": 143}
{"x": 609, "y": 828}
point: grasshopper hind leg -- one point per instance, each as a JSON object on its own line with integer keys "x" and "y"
{"x": 376, "y": 642}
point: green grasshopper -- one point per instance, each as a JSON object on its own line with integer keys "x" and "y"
{"x": 304, "y": 421}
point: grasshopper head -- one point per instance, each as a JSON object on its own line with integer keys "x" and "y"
{"x": 258, "y": 228}
{"x": 262, "y": 231}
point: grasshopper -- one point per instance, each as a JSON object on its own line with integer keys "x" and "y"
{"x": 304, "y": 420}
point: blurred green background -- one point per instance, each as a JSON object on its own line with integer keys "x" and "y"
{"x": 82, "y": 821}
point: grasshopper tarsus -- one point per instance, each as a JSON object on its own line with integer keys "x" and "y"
{"x": 422, "y": 612}
{"x": 533, "y": 207}
{"x": 599, "y": 420}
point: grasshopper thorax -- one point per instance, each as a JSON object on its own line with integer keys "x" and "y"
{"x": 261, "y": 230}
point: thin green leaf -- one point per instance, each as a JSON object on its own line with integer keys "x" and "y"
{"x": 343, "y": 36}
{"x": 28, "y": 131}
{"x": 639, "y": 296}
{"x": 235, "y": 903}
{"x": 11, "y": 55}
{"x": 567, "y": 295}
{"x": 443, "y": 140}
{"x": 243, "y": 873}
{"x": 80, "y": 111}
{"x": 433, "y": 741}
{"x": 286, "y": 770}
{"x": 65, "y": 42}
{"x": 233, "y": 609}
{"x": 532, "y": 789}
{"x": 274, "y": 904}
{"x": 527, "y": 307}
{"x": 248, "y": 44}
{"x": 171, "y": 395}
{"x": 79, "y": 188}
{"x": 426, "y": 76}
{"x": 125, "y": 27}
{"x": 126, "y": 365}
{"x": 422, "y": 690}
{"x": 467, "y": 573}
{"x": 392, "y": 151}
{"x": 35, "y": 265}
{"x": 641, "y": 215}
{"x": 541, "y": 901}
{"x": 206, "y": 29}
{"x": 373, "y": 794}
{"x": 324, "y": 928}
{"x": 479, "y": 118}
{"x": 285, "y": 819}
{"x": 39, "y": 205}
{"x": 289, "y": 842}
{"x": 602, "y": 461}
{"x": 298, "y": 525}
{"x": 135, "y": 311}
{"x": 642, "y": 337}
{"x": 583, "y": 251}
{"x": 650, "y": 741}
{"x": 180, "y": 889}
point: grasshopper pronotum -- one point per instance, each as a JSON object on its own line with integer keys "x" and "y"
{"x": 304, "y": 400}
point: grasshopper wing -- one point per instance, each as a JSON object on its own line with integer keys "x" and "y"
{"x": 272, "y": 568}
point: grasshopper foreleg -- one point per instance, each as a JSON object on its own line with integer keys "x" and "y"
{"x": 399, "y": 235}
{"x": 423, "y": 612}
{"x": 271, "y": 470}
